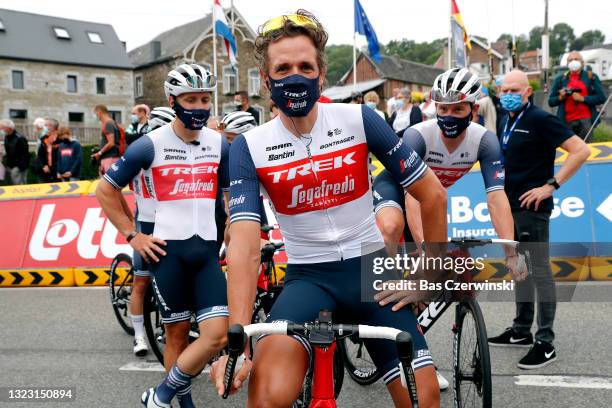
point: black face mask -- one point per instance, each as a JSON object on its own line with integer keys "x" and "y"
{"x": 452, "y": 127}
{"x": 193, "y": 119}
{"x": 295, "y": 95}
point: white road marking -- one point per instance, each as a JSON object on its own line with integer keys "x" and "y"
{"x": 148, "y": 366}
{"x": 564, "y": 381}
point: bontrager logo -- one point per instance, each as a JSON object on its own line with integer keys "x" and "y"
{"x": 318, "y": 166}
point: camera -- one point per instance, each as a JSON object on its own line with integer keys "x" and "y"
{"x": 92, "y": 159}
{"x": 569, "y": 91}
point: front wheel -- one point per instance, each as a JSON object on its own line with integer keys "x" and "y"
{"x": 120, "y": 284}
{"x": 471, "y": 360}
{"x": 153, "y": 325}
{"x": 358, "y": 362}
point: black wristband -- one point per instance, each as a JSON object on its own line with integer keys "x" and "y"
{"x": 131, "y": 236}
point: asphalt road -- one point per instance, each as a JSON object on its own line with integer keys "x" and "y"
{"x": 68, "y": 337}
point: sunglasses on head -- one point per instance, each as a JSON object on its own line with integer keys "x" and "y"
{"x": 277, "y": 23}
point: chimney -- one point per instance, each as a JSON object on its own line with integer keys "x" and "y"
{"x": 124, "y": 45}
{"x": 155, "y": 49}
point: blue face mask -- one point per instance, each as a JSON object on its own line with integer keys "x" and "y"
{"x": 44, "y": 131}
{"x": 512, "y": 102}
{"x": 295, "y": 95}
{"x": 399, "y": 104}
{"x": 193, "y": 119}
{"x": 371, "y": 105}
{"x": 452, "y": 126}
{"x": 134, "y": 118}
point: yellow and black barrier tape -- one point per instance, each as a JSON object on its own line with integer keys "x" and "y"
{"x": 36, "y": 277}
{"x": 563, "y": 270}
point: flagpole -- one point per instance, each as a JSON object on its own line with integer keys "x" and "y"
{"x": 215, "y": 61}
{"x": 354, "y": 61}
{"x": 450, "y": 34}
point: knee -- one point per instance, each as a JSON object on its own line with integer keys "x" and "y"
{"x": 177, "y": 333}
{"x": 215, "y": 341}
{"x": 266, "y": 395}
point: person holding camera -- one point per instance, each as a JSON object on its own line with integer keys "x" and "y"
{"x": 577, "y": 92}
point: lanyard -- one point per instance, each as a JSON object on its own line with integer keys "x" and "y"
{"x": 507, "y": 133}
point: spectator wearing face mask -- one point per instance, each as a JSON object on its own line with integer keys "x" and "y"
{"x": 69, "y": 156}
{"x": 391, "y": 102}
{"x": 17, "y": 158}
{"x": 407, "y": 114}
{"x": 241, "y": 100}
{"x": 486, "y": 111}
{"x": 39, "y": 130}
{"x": 138, "y": 125}
{"x": 577, "y": 93}
{"x": 46, "y": 157}
{"x": 372, "y": 100}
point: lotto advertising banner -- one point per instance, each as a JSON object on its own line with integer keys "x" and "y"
{"x": 57, "y": 232}
{"x": 582, "y": 211}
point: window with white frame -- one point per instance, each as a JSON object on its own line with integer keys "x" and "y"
{"x": 18, "y": 82}
{"x": 230, "y": 80}
{"x": 72, "y": 84}
{"x": 61, "y": 33}
{"x": 138, "y": 86}
{"x": 254, "y": 82}
{"x": 94, "y": 37}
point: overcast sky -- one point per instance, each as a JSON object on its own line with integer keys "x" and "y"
{"x": 138, "y": 21}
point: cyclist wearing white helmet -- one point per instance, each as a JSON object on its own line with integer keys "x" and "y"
{"x": 145, "y": 217}
{"x": 236, "y": 123}
{"x": 184, "y": 165}
{"x": 449, "y": 145}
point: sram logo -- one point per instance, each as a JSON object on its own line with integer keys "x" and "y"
{"x": 305, "y": 169}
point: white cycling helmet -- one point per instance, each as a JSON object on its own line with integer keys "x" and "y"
{"x": 456, "y": 85}
{"x": 237, "y": 122}
{"x": 189, "y": 78}
{"x": 160, "y": 116}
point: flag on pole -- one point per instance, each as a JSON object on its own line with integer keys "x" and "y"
{"x": 363, "y": 27}
{"x": 223, "y": 29}
{"x": 456, "y": 15}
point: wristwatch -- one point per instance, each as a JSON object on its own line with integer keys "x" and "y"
{"x": 553, "y": 182}
{"x": 131, "y": 236}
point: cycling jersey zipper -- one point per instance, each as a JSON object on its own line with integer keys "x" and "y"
{"x": 331, "y": 224}
{"x": 194, "y": 207}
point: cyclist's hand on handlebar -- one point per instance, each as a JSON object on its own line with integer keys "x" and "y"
{"x": 148, "y": 246}
{"x": 518, "y": 267}
{"x": 217, "y": 374}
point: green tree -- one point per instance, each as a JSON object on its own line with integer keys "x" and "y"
{"x": 561, "y": 37}
{"x": 425, "y": 52}
{"x": 339, "y": 60}
{"x": 590, "y": 37}
{"x": 535, "y": 37}
{"x": 522, "y": 43}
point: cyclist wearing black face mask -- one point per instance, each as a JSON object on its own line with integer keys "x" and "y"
{"x": 184, "y": 164}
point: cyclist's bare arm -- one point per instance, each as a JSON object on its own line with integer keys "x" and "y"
{"x": 501, "y": 217}
{"x": 432, "y": 197}
{"x": 115, "y": 207}
{"x": 413, "y": 218}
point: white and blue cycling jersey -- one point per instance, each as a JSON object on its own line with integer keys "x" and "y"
{"x": 182, "y": 179}
{"x": 319, "y": 184}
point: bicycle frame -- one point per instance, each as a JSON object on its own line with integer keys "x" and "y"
{"x": 323, "y": 378}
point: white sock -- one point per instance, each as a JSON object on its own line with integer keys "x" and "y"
{"x": 138, "y": 323}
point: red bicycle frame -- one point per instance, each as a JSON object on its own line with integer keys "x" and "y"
{"x": 322, "y": 395}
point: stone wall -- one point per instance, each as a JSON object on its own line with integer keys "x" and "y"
{"x": 45, "y": 91}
